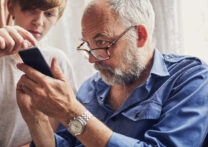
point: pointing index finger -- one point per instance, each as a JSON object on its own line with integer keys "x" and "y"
{"x": 27, "y": 35}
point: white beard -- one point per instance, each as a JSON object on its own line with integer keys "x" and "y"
{"x": 134, "y": 58}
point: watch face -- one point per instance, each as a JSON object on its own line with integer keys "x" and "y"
{"x": 75, "y": 127}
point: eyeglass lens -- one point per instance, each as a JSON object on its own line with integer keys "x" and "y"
{"x": 98, "y": 53}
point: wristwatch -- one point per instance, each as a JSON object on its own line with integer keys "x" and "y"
{"x": 77, "y": 125}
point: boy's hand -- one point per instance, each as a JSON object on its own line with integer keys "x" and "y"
{"x": 15, "y": 38}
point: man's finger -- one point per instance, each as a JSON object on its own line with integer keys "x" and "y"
{"x": 33, "y": 74}
{"x": 20, "y": 94}
{"x": 56, "y": 70}
{"x": 32, "y": 86}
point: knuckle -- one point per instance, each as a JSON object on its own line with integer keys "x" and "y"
{"x": 17, "y": 27}
{"x": 11, "y": 43}
{"x": 19, "y": 41}
{"x": 37, "y": 91}
{"x": 45, "y": 81}
{"x": 7, "y": 27}
{"x": 24, "y": 77}
{"x": 4, "y": 31}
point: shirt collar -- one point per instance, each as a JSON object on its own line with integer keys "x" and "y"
{"x": 159, "y": 70}
{"x": 159, "y": 67}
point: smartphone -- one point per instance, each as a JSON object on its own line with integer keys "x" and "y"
{"x": 35, "y": 59}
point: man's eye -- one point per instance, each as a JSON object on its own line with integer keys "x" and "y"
{"x": 101, "y": 43}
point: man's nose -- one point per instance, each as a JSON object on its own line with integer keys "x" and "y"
{"x": 92, "y": 59}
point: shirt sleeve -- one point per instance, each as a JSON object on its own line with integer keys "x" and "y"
{"x": 119, "y": 140}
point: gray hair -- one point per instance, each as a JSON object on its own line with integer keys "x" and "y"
{"x": 135, "y": 12}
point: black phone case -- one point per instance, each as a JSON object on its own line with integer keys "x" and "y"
{"x": 35, "y": 59}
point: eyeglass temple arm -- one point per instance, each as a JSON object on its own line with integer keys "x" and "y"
{"x": 80, "y": 45}
{"x": 122, "y": 35}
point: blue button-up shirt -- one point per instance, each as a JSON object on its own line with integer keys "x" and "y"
{"x": 169, "y": 109}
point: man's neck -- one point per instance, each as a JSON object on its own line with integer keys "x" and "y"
{"x": 119, "y": 93}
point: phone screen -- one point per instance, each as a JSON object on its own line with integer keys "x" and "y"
{"x": 35, "y": 59}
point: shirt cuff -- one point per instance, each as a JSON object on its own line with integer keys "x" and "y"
{"x": 118, "y": 140}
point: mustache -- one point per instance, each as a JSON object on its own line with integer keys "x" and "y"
{"x": 99, "y": 66}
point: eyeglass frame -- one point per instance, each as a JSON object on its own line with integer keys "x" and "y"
{"x": 105, "y": 48}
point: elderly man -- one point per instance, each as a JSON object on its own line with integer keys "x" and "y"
{"x": 139, "y": 97}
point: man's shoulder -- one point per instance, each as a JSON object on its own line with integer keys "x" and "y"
{"x": 178, "y": 63}
{"x": 173, "y": 58}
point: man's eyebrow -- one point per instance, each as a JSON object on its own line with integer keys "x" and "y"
{"x": 104, "y": 34}
{"x": 99, "y": 35}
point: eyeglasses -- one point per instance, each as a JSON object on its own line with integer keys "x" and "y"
{"x": 101, "y": 53}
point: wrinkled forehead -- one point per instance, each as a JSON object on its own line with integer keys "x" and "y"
{"x": 98, "y": 17}
{"x": 97, "y": 12}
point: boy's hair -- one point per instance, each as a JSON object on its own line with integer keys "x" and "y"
{"x": 41, "y": 4}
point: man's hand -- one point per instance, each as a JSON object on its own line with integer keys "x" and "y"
{"x": 29, "y": 113}
{"x": 55, "y": 97}
{"x": 15, "y": 38}
{"x": 38, "y": 123}
{"x": 52, "y": 96}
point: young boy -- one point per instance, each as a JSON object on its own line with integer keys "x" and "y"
{"x": 32, "y": 19}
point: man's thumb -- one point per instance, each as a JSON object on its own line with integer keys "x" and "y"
{"x": 56, "y": 70}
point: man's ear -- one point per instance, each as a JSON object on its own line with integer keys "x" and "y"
{"x": 142, "y": 35}
{"x": 10, "y": 7}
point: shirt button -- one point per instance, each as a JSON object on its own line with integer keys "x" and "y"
{"x": 114, "y": 118}
{"x": 102, "y": 99}
{"x": 168, "y": 57}
{"x": 137, "y": 115}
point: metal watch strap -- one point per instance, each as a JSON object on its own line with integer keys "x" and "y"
{"x": 85, "y": 117}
